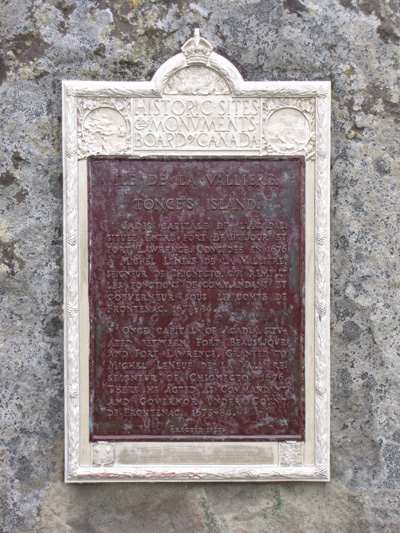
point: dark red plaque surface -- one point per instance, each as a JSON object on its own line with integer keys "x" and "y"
{"x": 196, "y": 296}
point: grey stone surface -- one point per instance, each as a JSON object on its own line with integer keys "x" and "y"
{"x": 354, "y": 43}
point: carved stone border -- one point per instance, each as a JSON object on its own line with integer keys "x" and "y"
{"x": 312, "y": 99}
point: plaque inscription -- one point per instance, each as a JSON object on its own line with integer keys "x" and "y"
{"x": 196, "y": 298}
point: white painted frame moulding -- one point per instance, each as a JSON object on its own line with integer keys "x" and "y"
{"x": 219, "y": 461}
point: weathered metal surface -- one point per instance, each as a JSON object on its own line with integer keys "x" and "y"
{"x": 196, "y": 273}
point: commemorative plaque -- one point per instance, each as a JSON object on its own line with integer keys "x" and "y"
{"x": 196, "y": 276}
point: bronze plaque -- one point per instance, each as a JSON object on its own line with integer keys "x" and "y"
{"x": 196, "y": 296}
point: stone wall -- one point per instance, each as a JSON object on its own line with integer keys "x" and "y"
{"x": 354, "y": 43}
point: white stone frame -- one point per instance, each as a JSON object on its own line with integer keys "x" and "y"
{"x": 188, "y": 461}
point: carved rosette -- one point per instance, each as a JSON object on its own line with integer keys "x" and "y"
{"x": 104, "y": 126}
{"x": 289, "y": 126}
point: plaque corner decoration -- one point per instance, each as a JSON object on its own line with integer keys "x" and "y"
{"x": 196, "y": 275}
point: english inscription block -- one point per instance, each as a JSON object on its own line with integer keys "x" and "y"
{"x": 196, "y": 244}
{"x": 196, "y": 298}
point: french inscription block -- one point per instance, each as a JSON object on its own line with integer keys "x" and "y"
{"x": 196, "y": 296}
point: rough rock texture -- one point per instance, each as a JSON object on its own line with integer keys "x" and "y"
{"x": 354, "y": 43}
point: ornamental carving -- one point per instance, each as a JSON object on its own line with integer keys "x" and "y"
{"x": 103, "y": 454}
{"x": 289, "y": 126}
{"x": 291, "y": 453}
{"x": 197, "y": 49}
{"x": 104, "y": 126}
{"x": 196, "y": 81}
